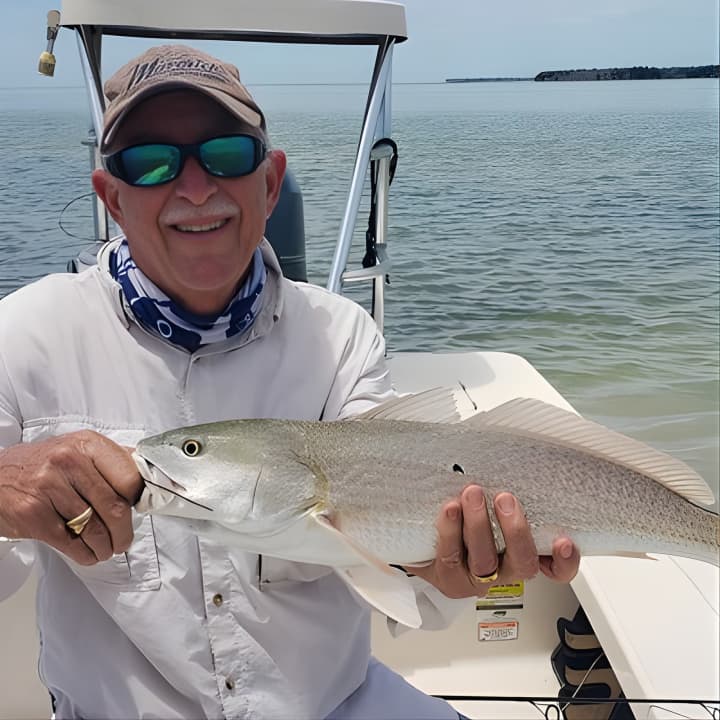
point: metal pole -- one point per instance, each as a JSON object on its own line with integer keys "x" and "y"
{"x": 382, "y": 190}
{"x": 100, "y": 218}
{"x": 381, "y": 217}
{"x": 96, "y": 107}
{"x": 367, "y": 138}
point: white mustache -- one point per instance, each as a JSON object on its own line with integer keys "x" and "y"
{"x": 214, "y": 209}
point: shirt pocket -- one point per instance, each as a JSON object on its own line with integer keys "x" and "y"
{"x": 137, "y": 569}
{"x": 276, "y": 574}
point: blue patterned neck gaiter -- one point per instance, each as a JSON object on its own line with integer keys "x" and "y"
{"x": 164, "y": 317}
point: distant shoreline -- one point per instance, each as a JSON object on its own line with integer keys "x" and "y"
{"x": 629, "y": 73}
{"x": 488, "y": 79}
{"x": 632, "y": 73}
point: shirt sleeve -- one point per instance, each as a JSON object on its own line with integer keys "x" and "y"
{"x": 16, "y": 557}
{"x": 16, "y": 562}
{"x": 362, "y": 380}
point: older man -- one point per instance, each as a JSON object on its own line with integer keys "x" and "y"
{"x": 189, "y": 320}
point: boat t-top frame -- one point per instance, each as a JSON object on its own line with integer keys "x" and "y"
{"x": 330, "y": 22}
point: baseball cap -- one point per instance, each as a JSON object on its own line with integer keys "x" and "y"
{"x": 176, "y": 67}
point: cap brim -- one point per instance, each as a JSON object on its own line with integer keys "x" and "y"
{"x": 240, "y": 110}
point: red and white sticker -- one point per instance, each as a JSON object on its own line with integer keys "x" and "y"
{"x": 491, "y": 631}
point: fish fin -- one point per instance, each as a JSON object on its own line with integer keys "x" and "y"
{"x": 392, "y": 594}
{"x": 534, "y": 418}
{"x": 383, "y": 587}
{"x": 436, "y": 405}
{"x": 363, "y": 555}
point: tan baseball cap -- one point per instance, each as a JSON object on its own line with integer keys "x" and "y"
{"x": 176, "y": 67}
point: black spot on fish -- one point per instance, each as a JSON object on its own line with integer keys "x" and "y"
{"x": 458, "y": 469}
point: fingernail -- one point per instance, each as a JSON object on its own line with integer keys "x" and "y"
{"x": 452, "y": 512}
{"x": 475, "y": 496}
{"x": 566, "y": 550}
{"x": 506, "y": 503}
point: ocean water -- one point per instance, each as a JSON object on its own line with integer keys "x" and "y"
{"x": 576, "y": 224}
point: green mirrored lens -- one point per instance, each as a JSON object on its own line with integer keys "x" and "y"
{"x": 229, "y": 156}
{"x": 150, "y": 164}
{"x": 157, "y": 163}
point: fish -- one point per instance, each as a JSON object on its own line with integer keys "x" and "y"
{"x": 362, "y": 495}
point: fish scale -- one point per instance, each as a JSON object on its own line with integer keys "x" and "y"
{"x": 388, "y": 476}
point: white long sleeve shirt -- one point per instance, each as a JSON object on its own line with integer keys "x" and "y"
{"x": 181, "y": 627}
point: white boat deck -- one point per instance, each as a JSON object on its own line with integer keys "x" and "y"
{"x": 456, "y": 662}
{"x": 658, "y": 623}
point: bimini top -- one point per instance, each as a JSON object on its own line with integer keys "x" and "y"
{"x": 352, "y": 22}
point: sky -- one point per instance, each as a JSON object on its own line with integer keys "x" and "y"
{"x": 447, "y": 38}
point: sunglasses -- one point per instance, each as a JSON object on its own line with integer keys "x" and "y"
{"x": 152, "y": 164}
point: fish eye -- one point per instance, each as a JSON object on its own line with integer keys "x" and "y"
{"x": 192, "y": 448}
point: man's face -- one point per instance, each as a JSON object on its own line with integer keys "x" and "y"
{"x": 195, "y": 236}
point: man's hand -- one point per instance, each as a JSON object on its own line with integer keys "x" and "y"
{"x": 47, "y": 483}
{"x": 466, "y": 550}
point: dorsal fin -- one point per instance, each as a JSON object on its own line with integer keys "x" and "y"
{"x": 436, "y": 405}
{"x": 535, "y": 418}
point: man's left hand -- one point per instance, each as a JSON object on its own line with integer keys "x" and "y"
{"x": 467, "y": 561}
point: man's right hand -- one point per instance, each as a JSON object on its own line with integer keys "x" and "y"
{"x": 46, "y": 483}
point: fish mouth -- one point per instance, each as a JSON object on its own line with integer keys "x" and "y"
{"x": 164, "y": 489}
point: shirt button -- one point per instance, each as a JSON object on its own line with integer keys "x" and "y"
{"x": 229, "y": 683}
{"x": 217, "y": 600}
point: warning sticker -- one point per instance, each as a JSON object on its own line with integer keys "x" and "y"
{"x": 491, "y": 631}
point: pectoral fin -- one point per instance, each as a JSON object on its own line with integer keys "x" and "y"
{"x": 383, "y": 587}
{"x": 392, "y": 594}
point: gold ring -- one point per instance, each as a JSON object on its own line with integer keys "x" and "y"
{"x": 79, "y": 523}
{"x": 484, "y": 579}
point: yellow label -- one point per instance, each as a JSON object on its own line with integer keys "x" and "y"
{"x": 513, "y": 590}
{"x": 511, "y": 594}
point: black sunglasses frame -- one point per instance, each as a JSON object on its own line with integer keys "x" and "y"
{"x": 116, "y": 167}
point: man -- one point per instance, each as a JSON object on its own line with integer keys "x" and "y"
{"x": 187, "y": 321}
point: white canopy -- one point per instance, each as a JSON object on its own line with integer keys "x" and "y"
{"x": 331, "y": 21}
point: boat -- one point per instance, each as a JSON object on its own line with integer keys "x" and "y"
{"x": 628, "y": 637}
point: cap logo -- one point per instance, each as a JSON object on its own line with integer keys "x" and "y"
{"x": 176, "y": 67}
{"x": 189, "y": 66}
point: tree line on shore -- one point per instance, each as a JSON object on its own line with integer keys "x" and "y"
{"x": 631, "y": 73}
